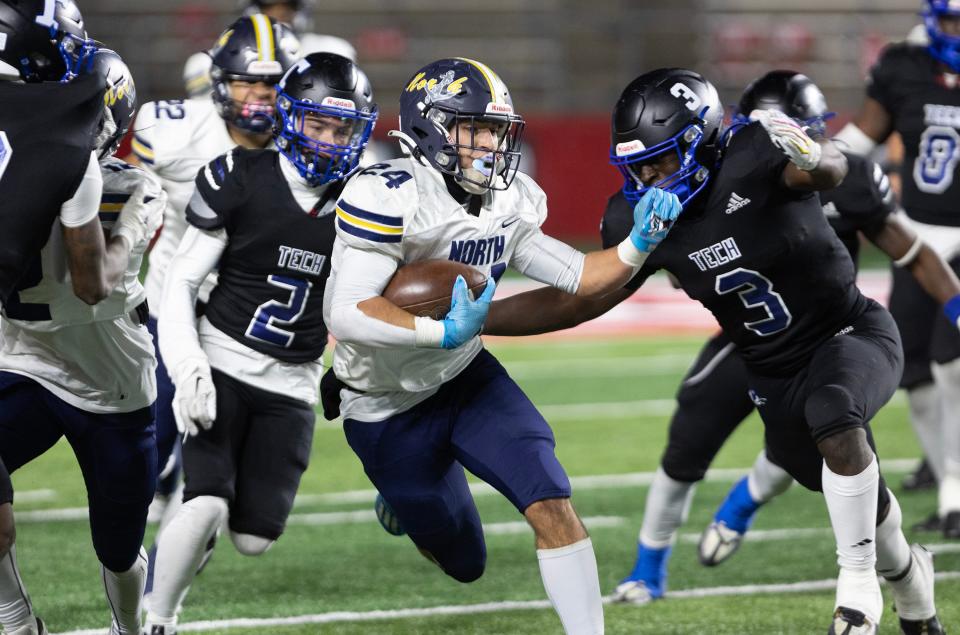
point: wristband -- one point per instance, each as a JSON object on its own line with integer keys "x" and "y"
{"x": 429, "y": 332}
{"x": 630, "y": 255}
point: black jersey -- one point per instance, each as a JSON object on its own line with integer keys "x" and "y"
{"x": 861, "y": 203}
{"x": 273, "y": 272}
{"x": 46, "y": 136}
{"x": 761, "y": 257}
{"x": 925, "y": 104}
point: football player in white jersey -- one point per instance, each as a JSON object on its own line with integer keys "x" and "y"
{"x": 421, "y": 398}
{"x": 247, "y": 372}
{"x": 86, "y": 372}
{"x": 175, "y": 139}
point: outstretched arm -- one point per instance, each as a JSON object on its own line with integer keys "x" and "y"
{"x": 546, "y": 310}
{"x": 896, "y": 239}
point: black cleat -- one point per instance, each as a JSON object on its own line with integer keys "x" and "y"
{"x": 920, "y": 479}
{"x": 951, "y": 525}
{"x": 930, "y": 523}
{"x": 931, "y": 626}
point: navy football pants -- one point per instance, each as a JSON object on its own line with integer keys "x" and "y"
{"x": 168, "y": 437}
{"x": 481, "y": 421}
{"x": 117, "y": 454}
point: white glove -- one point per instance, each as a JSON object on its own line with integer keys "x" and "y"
{"x": 789, "y": 136}
{"x": 195, "y": 397}
{"x": 141, "y": 215}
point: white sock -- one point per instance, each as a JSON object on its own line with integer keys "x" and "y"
{"x": 179, "y": 551}
{"x": 767, "y": 480}
{"x": 15, "y": 608}
{"x": 947, "y": 378}
{"x": 570, "y": 578}
{"x": 668, "y": 503}
{"x": 125, "y": 595}
{"x": 173, "y": 506}
{"x": 893, "y": 552}
{"x": 925, "y": 415}
{"x": 852, "y": 504}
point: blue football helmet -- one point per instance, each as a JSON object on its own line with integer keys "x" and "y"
{"x": 325, "y": 85}
{"x": 790, "y": 92}
{"x": 943, "y": 47}
{"x": 667, "y": 110}
{"x": 252, "y": 49}
{"x": 455, "y": 91}
{"x": 43, "y": 40}
{"x": 119, "y": 102}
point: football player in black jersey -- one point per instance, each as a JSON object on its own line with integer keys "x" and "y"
{"x": 913, "y": 89}
{"x": 247, "y": 373}
{"x": 753, "y": 246}
{"x": 49, "y": 110}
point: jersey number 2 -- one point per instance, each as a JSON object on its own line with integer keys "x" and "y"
{"x": 264, "y": 327}
{"x": 756, "y": 291}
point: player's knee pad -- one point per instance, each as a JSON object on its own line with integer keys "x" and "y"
{"x": 674, "y": 466}
{"x": 466, "y": 565}
{"x": 831, "y": 409}
{"x": 249, "y": 544}
{"x": 208, "y": 512}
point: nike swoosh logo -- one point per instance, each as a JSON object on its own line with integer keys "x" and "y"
{"x": 510, "y": 221}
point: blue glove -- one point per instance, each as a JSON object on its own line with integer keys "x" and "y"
{"x": 466, "y": 316}
{"x": 653, "y": 216}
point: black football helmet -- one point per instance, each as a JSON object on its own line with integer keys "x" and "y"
{"x": 119, "y": 102}
{"x": 324, "y": 85}
{"x": 43, "y": 40}
{"x": 252, "y": 49}
{"x": 667, "y": 110}
{"x": 450, "y": 91}
{"x": 302, "y": 21}
{"x": 790, "y": 92}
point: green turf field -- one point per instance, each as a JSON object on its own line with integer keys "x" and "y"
{"x": 609, "y": 403}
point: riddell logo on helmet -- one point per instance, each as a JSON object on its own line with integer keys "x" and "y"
{"x": 503, "y": 109}
{"x": 338, "y": 103}
{"x": 630, "y": 147}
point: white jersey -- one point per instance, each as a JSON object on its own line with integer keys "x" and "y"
{"x": 174, "y": 140}
{"x": 406, "y": 212}
{"x": 95, "y": 357}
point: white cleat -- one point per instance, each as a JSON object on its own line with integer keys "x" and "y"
{"x": 717, "y": 543}
{"x": 851, "y": 622}
{"x": 633, "y": 592}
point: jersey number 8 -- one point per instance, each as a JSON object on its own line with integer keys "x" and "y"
{"x": 939, "y": 151}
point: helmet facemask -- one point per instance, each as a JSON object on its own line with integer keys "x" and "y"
{"x": 77, "y": 54}
{"x": 320, "y": 162}
{"x": 253, "y": 117}
{"x": 686, "y": 182}
{"x": 497, "y": 168}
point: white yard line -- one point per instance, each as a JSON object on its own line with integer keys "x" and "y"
{"x": 34, "y": 496}
{"x": 489, "y": 607}
{"x": 600, "y": 481}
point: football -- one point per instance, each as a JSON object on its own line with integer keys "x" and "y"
{"x": 424, "y": 287}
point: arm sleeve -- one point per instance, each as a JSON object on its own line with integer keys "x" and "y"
{"x": 85, "y": 203}
{"x": 220, "y": 189}
{"x": 550, "y": 261}
{"x": 362, "y": 275}
{"x": 864, "y": 200}
{"x": 197, "y": 256}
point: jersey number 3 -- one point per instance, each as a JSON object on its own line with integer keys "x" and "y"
{"x": 264, "y": 327}
{"x": 756, "y": 291}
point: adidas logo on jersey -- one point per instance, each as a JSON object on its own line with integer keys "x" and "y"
{"x": 736, "y": 202}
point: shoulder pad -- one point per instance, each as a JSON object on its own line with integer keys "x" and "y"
{"x": 162, "y": 129}
{"x": 374, "y": 203}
